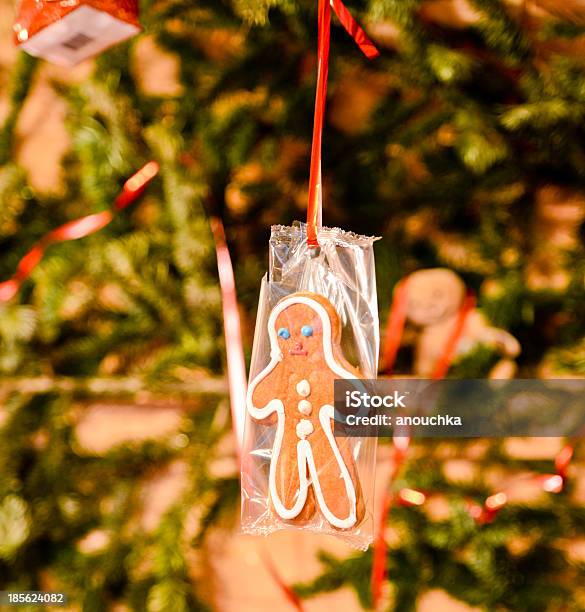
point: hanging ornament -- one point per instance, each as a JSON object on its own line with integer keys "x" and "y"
{"x": 445, "y": 326}
{"x": 67, "y": 32}
{"x": 317, "y": 322}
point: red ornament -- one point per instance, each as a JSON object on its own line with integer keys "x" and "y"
{"x": 68, "y": 31}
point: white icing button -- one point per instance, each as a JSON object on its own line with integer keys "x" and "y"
{"x": 304, "y": 428}
{"x": 303, "y": 388}
{"x": 305, "y": 407}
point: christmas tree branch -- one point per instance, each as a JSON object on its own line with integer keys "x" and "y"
{"x": 126, "y": 385}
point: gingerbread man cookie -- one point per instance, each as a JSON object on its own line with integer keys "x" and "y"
{"x": 310, "y": 468}
{"x": 435, "y": 298}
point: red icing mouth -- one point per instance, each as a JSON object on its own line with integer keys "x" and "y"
{"x": 301, "y": 352}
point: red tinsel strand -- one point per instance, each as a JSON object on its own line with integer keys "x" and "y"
{"x": 486, "y": 513}
{"x": 79, "y": 228}
{"x": 394, "y": 326}
{"x": 286, "y": 590}
{"x": 444, "y": 363}
{"x": 236, "y": 365}
{"x": 379, "y": 568}
{"x": 354, "y": 30}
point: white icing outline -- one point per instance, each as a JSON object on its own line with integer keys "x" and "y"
{"x": 326, "y": 414}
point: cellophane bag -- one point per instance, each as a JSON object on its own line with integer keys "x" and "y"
{"x": 71, "y": 31}
{"x": 317, "y": 321}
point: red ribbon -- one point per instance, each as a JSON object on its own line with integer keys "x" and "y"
{"x": 236, "y": 366}
{"x": 315, "y": 205}
{"x": 79, "y": 228}
{"x": 286, "y": 589}
{"x": 379, "y": 569}
{"x": 354, "y": 30}
{"x": 446, "y": 359}
{"x": 394, "y": 327}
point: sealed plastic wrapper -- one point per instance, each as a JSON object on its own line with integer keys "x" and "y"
{"x": 67, "y": 32}
{"x": 317, "y": 321}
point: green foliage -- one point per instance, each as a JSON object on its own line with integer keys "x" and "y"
{"x": 354, "y": 571}
{"x": 511, "y": 563}
{"x": 501, "y": 32}
{"x": 77, "y": 514}
{"x": 255, "y": 12}
{"x": 449, "y": 66}
{"x": 20, "y": 83}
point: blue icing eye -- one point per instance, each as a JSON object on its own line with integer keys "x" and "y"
{"x": 306, "y": 330}
{"x": 284, "y": 333}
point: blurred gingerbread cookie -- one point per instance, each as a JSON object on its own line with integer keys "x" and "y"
{"x": 443, "y": 325}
